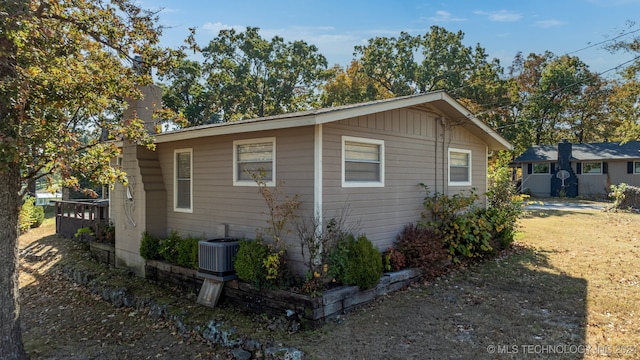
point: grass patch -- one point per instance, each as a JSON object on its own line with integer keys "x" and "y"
{"x": 603, "y": 249}
{"x": 572, "y": 278}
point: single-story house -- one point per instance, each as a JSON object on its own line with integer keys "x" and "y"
{"x": 588, "y": 170}
{"x": 47, "y": 198}
{"x": 369, "y": 157}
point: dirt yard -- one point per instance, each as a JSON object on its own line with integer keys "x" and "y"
{"x": 569, "y": 289}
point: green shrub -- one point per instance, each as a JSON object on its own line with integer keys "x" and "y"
{"x": 357, "y": 262}
{"x": 468, "y": 235}
{"x": 617, "y": 194}
{"x": 338, "y": 258}
{"x": 84, "y": 233}
{"x": 106, "y": 233}
{"x": 249, "y": 261}
{"x": 187, "y": 252}
{"x": 38, "y": 216}
{"x": 465, "y": 230}
{"x": 504, "y": 205}
{"x": 149, "y": 247}
{"x": 504, "y": 226}
{"x": 393, "y": 260}
{"x": 31, "y": 216}
{"x": 424, "y": 248}
{"x": 168, "y": 249}
{"x": 626, "y": 197}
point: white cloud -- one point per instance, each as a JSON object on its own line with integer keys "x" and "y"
{"x": 337, "y": 47}
{"x": 545, "y": 24}
{"x": 217, "y": 26}
{"x": 445, "y": 16}
{"x": 501, "y": 15}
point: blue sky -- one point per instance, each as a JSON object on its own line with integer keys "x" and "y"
{"x": 501, "y": 27}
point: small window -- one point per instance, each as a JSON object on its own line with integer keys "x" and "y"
{"x": 459, "y": 167}
{"x": 362, "y": 162}
{"x": 254, "y": 156}
{"x": 592, "y": 168}
{"x": 541, "y": 168}
{"x": 636, "y": 167}
{"x": 183, "y": 185}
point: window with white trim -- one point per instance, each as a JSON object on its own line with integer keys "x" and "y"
{"x": 636, "y": 167}
{"x": 254, "y": 156}
{"x": 362, "y": 162}
{"x": 459, "y": 167}
{"x": 541, "y": 168}
{"x": 183, "y": 184}
{"x": 592, "y": 168}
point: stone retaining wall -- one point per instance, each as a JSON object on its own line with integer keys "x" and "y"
{"x": 103, "y": 252}
{"x": 172, "y": 275}
{"x": 312, "y": 310}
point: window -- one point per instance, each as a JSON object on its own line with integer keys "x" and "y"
{"x": 183, "y": 186}
{"x": 636, "y": 167}
{"x": 362, "y": 162}
{"x": 592, "y": 168}
{"x": 541, "y": 168}
{"x": 459, "y": 167}
{"x": 254, "y": 156}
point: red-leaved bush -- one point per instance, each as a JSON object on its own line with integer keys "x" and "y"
{"x": 423, "y": 247}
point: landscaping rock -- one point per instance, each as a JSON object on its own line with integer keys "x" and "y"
{"x": 217, "y": 335}
{"x": 252, "y": 345}
{"x": 283, "y": 353}
{"x": 240, "y": 354}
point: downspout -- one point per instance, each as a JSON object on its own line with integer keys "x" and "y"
{"x": 317, "y": 179}
{"x": 435, "y": 157}
{"x": 444, "y": 164}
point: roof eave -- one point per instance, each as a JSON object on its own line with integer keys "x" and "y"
{"x": 439, "y": 99}
{"x": 236, "y": 128}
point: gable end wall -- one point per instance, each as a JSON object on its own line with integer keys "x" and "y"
{"x": 415, "y": 152}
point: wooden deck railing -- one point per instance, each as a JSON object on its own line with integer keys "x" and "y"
{"x": 73, "y": 215}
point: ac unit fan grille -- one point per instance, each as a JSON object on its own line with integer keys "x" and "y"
{"x": 216, "y": 256}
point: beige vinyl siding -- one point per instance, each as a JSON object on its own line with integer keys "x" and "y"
{"x": 409, "y": 137}
{"x": 618, "y": 173}
{"x": 537, "y": 184}
{"x": 216, "y": 201}
{"x": 599, "y": 184}
{"x": 590, "y": 185}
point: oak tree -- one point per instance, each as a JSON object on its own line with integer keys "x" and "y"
{"x": 183, "y": 91}
{"x": 625, "y": 93}
{"x": 65, "y": 70}
{"x": 248, "y": 76}
{"x": 559, "y": 97}
{"x": 351, "y": 86}
{"x": 437, "y": 60}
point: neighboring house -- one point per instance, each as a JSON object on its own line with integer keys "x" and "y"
{"x": 589, "y": 169}
{"x": 369, "y": 157}
{"x": 47, "y": 198}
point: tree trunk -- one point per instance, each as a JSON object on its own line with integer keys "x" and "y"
{"x": 11, "y": 346}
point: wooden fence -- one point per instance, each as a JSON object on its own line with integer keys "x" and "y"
{"x": 73, "y": 215}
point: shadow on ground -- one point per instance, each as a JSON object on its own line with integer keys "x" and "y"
{"x": 517, "y": 306}
{"x": 62, "y": 320}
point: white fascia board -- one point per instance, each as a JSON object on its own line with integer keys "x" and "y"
{"x": 235, "y": 128}
{"x": 476, "y": 122}
{"x": 328, "y": 116}
{"x": 341, "y": 114}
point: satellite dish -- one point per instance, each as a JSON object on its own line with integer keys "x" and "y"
{"x": 563, "y": 175}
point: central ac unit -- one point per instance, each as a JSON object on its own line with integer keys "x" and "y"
{"x": 215, "y": 257}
